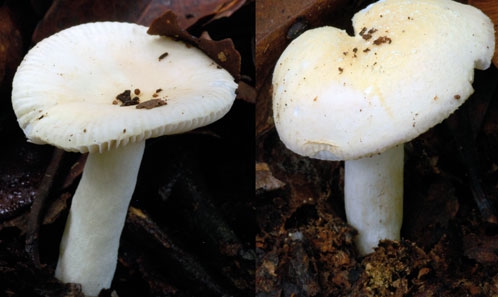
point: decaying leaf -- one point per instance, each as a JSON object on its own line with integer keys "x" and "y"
{"x": 223, "y": 51}
{"x": 265, "y": 180}
{"x": 11, "y": 45}
{"x": 63, "y": 14}
{"x": 191, "y": 12}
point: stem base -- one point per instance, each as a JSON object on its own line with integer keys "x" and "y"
{"x": 89, "y": 246}
{"x": 373, "y": 197}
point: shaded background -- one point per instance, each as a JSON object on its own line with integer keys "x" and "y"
{"x": 197, "y": 227}
{"x": 190, "y": 229}
{"x": 450, "y": 237}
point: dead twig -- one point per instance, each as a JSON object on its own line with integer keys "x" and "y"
{"x": 38, "y": 206}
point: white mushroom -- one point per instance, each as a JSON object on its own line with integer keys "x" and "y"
{"x": 358, "y": 98}
{"x": 64, "y": 94}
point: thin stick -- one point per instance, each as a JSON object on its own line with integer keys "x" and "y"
{"x": 38, "y": 206}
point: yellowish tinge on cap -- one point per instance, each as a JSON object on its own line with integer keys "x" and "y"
{"x": 409, "y": 65}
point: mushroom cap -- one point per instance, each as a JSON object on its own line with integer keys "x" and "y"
{"x": 64, "y": 91}
{"x": 409, "y": 65}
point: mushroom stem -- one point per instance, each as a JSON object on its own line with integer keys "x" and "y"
{"x": 89, "y": 246}
{"x": 373, "y": 197}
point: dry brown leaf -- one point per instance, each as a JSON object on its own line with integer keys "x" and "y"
{"x": 63, "y": 14}
{"x": 222, "y": 51}
{"x": 11, "y": 46}
{"x": 265, "y": 180}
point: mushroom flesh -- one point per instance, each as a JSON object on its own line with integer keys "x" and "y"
{"x": 104, "y": 88}
{"x": 358, "y": 98}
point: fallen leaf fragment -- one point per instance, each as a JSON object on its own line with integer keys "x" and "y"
{"x": 265, "y": 180}
{"x": 11, "y": 46}
{"x": 222, "y": 52}
{"x": 211, "y": 10}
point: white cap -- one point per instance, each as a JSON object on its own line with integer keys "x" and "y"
{"x": 64, "y": 91}
{"x": 409, "y": 65}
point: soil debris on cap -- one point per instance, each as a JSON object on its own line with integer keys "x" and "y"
{"x": 152, "y": 103}
{"x": 367, "y": 35}
{"x": 382, "y": 39}
{"x": 162, "y": 56}
{"x": 126, "y": 99}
